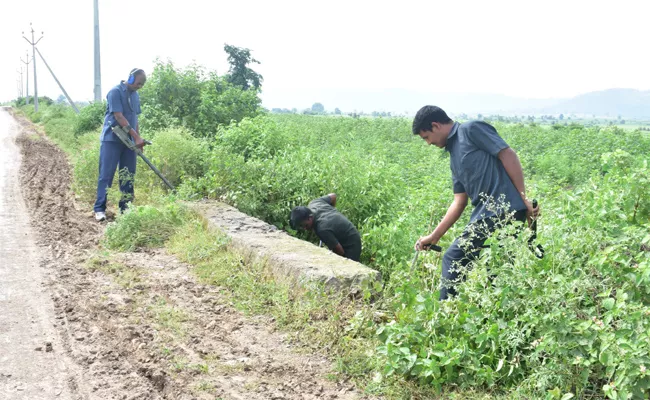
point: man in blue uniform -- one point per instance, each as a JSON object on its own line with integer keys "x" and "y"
{"x": 123, "y": 108}
{"x": 483, "y": 167}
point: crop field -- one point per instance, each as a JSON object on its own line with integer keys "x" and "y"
{"x": 573, "y": 324}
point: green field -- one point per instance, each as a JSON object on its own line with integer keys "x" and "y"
{"x": 575, "y": 323}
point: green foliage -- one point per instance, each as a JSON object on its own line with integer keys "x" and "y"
{"x": 90, "y": 118}
{"x": 240, "y": 74}
{"x": 191, "y": 97}
{"x": 177, "y": 154}
{"x": 154, "y": 118}
{"x": 145, "y": 226}
{"x": 575, "y": 324}
{"x": 541, "y": 329}
{"x": 42, "y": 101}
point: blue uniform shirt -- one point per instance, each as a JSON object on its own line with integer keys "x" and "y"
{"x": 475, "y": 168}
{"x": 120, "y": 99}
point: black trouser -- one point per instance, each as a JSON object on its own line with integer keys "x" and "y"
{"x": 466, "y": 249}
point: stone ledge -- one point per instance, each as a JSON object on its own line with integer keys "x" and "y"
{"x": 286, "y": 254}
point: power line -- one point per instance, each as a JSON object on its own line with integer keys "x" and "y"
{"x": 33, "y": 43}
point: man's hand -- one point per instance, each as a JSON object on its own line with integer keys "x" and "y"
{"x": 531, "y": 213}
{"x": 424, "y": 241}
{"x": 138, "y": 140}
{"x": 332, "y": 199}
{"x": 338, "y": 249}
{"x": 454, "y": 212}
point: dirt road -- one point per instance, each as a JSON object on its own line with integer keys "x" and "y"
{"x": 121, "y": 326}
{"x": 32, "y": 363}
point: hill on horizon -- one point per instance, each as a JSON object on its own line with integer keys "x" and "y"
{"x": 628, "y": 103}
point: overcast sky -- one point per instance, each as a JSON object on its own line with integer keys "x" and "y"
{"x": 533, "y": 49}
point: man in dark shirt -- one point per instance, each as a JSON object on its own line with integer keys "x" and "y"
{"x": 333, "y": 229}
{"x": 484, "y": 169}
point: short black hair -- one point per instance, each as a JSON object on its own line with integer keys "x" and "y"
{"x": 299, "y": 215}
{"x": 426, "y": 115}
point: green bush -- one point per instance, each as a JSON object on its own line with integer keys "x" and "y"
{"x": 90, "y": 118}
{"x": 177, "y": 154}
{"x": 576, "y": 322}
{"x": 154, "y": 118}
{"x": 191, "y": 97}
{"x": 145, "y": 226}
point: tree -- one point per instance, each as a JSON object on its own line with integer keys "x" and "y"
{"x": 337, "y": 111}
{"x": 318, "y": 108}
{"x": 561, "y": 117}
{"x": 192, "y": 97}
{"x": 239, "y": 73}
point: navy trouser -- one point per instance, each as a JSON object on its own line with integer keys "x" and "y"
{"x": 112, "y": 155}
{"x": 466, "y": 249}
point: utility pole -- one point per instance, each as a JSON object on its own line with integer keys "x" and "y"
{"x": 57, "y": 82}
{"x": 27, "y": 75}
{"x": 33, "y": 43}
{"x": 98, "y": 72}
{"x": 20, "y": 71}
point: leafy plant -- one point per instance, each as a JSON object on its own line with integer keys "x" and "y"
{"x": 90, "y": 118}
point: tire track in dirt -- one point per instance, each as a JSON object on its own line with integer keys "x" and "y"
{"x": 139, "y": 325}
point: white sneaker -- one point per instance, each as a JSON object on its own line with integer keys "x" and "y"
{"x": 100, "y": 216}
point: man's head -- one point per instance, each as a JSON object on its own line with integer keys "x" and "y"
{"x": 136, "y": 80}
{"x": 433, "y": 125}
{"x": 301, "y": 218}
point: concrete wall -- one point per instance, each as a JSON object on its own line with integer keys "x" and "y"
{"x": 287, "y": 255}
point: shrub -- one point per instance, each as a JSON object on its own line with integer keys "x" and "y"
{"x": 177, "y": 154}
{"x": 191, "y": 97}
{"x": 145, "y": 226}
{"x": 91, "y": 117}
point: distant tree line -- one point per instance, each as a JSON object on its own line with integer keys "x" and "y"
{"x": 319, "y": 109}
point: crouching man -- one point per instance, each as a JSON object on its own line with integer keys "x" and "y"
{"x": 331, "y": 227}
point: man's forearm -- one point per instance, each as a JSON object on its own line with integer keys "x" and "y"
{"x": 121, "y": 120}
{"x": 454, "y": 212}
{"x": 135, "y": 134}
{"x": 513, "y": 168}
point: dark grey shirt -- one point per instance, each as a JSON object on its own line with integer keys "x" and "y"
{"x": 473, "y": 148}
{"x": 333, "y": 228}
